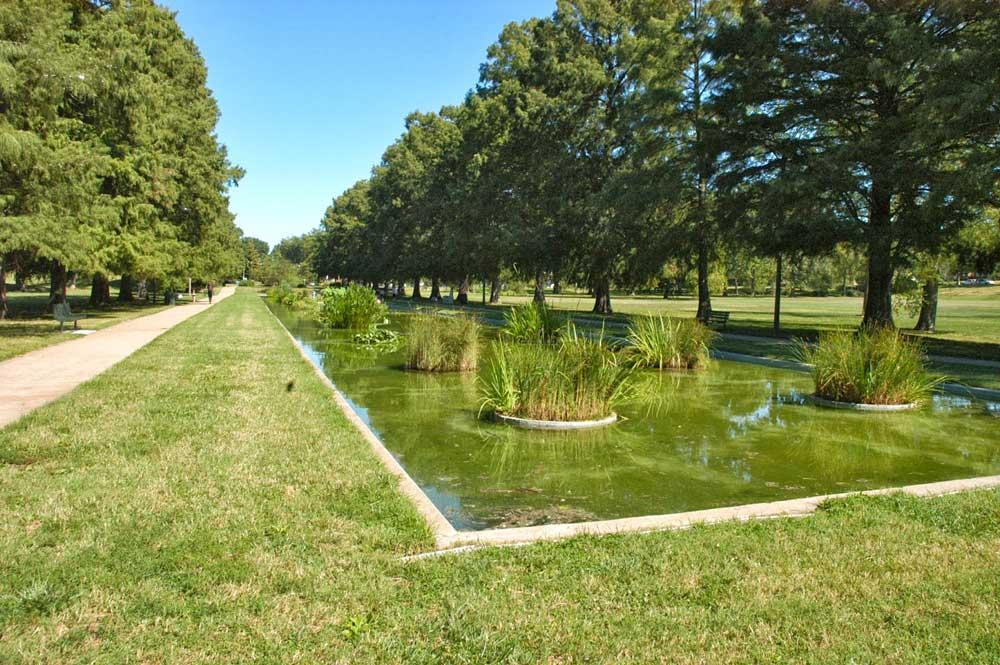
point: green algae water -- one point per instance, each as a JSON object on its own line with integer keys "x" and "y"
{"x": 734, "y": 434}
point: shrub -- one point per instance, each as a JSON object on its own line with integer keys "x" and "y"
{"x": 868, "y": 367}
{"x": 532, "y": 323}
{"x": 355, "y": 307}
{"x": 283, "y": 294}
{"x": 447, "y": 343}
{"x": 660, "y": 342}
{"x": 577, "y": 379}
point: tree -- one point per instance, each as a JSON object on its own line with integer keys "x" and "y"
{"x": 882, "y": 108}
{"x": 254, "y": 251}
{"x": 679, "y": 84}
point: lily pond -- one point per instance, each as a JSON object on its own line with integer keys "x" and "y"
{"x": 734, "y": 434}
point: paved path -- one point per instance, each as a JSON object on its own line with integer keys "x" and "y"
{"x": 37, "y": 378}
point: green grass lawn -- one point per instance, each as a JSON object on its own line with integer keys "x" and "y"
{"x": 31, "y": 326}
{"x": 968, "y": 318}
{"x": 204, "y": 501}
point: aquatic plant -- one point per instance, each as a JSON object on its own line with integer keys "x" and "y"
{"x": 533, "y": 322}
{"x": 355, "y": 307}
{"x": 659, "y": 342}
{"x": 379, "y": 338}
{"x": 578, "y": 378}
{"x": 878, "y": 366}
{"x": 442, "y": 343}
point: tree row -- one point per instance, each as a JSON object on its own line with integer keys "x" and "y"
{"x": 613, "y": 137}
{"x": 109, "y": 162}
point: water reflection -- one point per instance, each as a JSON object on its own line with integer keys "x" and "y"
{"x": 689, "y": 440}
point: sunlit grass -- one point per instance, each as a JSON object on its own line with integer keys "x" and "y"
{"x": 218, "y": 508}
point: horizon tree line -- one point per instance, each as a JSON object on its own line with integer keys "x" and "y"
{"x": 615, "y": 136}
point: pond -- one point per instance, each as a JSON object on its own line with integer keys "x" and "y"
{"x": 732, "y": 435}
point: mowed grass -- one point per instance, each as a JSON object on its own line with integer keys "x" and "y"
{"x": 30, "y": 324}
{"x": 204, "y": 501}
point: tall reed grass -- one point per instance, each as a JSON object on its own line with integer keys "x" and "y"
{"x": 659, "y": 342}
{"x": 575, "y": 379}
{"x": 532, "y": 322}
{"x": 447, "y": 343}
{"x": 869, "y": 367}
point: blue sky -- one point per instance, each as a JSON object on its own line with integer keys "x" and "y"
{"x": 312, "y": 92}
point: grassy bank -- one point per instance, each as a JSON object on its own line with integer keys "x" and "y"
{"x": 31, "y": 325}
{"x": 218, "y": 508}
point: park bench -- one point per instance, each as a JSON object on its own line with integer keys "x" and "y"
{"x": 63, "y": 314}
{"x": 718, "y": 319}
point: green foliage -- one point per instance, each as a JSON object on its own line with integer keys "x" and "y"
{"x": 445, "y": 343}
{"x": 379, "y": 338}
{"x": 659, "y": 342}
{"x": 284, "y": 294}
{"x": 877, "y": 366}
{"x": 532, "y": 322}
{"x": 577, "y": 379}
{"x": 355, "y": 307}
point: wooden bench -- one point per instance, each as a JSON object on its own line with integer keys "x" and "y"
{"x": 63, "y": 314}
{"x": 717, "y": 319}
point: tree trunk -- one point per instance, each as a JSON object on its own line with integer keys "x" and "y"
{"x": 556, "y": 286}
{"x": 126, "y": 291}
{"x": 495, "y": 290}
{"x": 416, "y": 289}
{"x": 3, "y": 290}
{"x": 777, "y": 295}
{"x": 20, "y": 280}
{"x": 602, "y": 297}
{"x": 463, "y": 292}
{"x": 704, "y": 295}
{"x": 100, "y": 290}
{"x": 539, "y": 296}
{"x": 927, "y": 321}
{"x": 878, "y": 304}
{"x": 435, "y": 289}
{"x": 57, "y": 284}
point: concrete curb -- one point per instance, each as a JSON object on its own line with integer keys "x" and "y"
{"x": 871, "y": 408}
{"x": 565, "y": 425}
{"x": 648, "y": 523}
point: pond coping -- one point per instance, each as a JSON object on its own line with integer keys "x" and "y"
{"x": 531, "y": 423}
{"x": 858, "y": 406}
{"x": 449, "y": 540}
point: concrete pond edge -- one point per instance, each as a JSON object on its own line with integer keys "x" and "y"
{"x": 555, "y": 425}
{"x": 448, "y": 540}
{"x": 868, "y": 408}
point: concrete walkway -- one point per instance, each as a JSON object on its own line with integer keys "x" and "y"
{"x": 39, "y": 377}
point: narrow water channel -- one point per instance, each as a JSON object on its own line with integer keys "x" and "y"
{"x": 731, "y": 435}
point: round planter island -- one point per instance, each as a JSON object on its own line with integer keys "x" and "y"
{"x": 856, "y": 406}
{"x": 564, "y": 425}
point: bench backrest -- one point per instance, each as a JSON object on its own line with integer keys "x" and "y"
{"x": 718, "y": 317}
{"x": 61, "y": 310}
